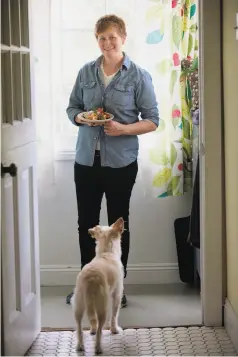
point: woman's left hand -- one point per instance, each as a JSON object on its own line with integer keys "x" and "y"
{"x": 113, "y": 128}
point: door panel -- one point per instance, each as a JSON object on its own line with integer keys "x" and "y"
{"x": 20, "y": 246}
{"x": 20, "y": 253}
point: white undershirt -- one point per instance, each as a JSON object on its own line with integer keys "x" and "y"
{"x": 106, "y": 81}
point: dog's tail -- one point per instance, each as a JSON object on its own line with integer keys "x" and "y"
{"x": 96, "y": 297}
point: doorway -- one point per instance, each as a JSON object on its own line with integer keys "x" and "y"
{"x": 211, "y": 194}
{"x": 153, "y": 261}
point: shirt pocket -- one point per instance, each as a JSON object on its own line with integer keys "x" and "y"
{"x": 123, "y": 96}
{"x": 89, "y": 91}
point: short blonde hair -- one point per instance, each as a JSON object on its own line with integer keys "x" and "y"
{"x": 107, "y": 21}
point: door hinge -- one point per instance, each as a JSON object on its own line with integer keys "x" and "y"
{"x": 236, "y": 26}
{"x": 202, "y": 149}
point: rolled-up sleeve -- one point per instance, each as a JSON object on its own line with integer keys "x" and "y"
{"x": 146, "y": 99}
{"x": 75, "y": 105}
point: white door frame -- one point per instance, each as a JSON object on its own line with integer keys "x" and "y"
{"x": 211, "y": 165}
{"x": 211, "y": 179}
{"x": 1, "y": 347}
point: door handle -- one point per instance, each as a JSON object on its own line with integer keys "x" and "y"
{"x": 11, "y": 169}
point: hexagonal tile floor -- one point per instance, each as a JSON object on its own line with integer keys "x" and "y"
{"x": 180, "y": 341}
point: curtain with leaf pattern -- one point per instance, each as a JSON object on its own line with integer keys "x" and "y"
{"x": 173, "y": 34}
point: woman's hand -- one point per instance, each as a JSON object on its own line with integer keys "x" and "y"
{"x": 113, "y": 128}
{"x": 78, "y": 120}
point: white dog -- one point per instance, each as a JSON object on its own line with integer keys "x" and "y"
{"x": 99, "y": 280}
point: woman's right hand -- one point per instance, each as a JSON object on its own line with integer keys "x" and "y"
{"x": 78, "y": 120}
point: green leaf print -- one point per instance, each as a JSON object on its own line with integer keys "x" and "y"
{"x": 186, "y": 128}
{"x": 179, "y": 141}
{"x": 173, "y": 80}
{"x": 196, "y": 45}
{"x": 154, "y": 13}
{"x": 184, "y": 73}
{"x": 175, "y": 106}
{"x": 173, "y": 154}
{"x": 194, "y": 64}
{"x": 190, "y": 43}
{"x": 176, "y": 30}
{"x": 186, "y": 7}
{"x": 192, "y": 10}
{"x": 175, "y": 122}
{"x": 173, "y": 186}
{"x": 187, "y": 150}
{"x": 193, "y": 28}
{"x": 158, "y": 157}
{"x": 164, "y": 66}
{"x": 162, "y": 177}
{"x": 188, "y": 94}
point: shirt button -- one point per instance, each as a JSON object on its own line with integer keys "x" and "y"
{"x": 95, "y": 138}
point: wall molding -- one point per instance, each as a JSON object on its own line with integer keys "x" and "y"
{"x": 64, "y": 155}
{"x": 231, "y": 323}
{"x": 151, "y": 273}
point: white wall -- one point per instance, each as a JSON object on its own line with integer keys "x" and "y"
{"x": 152, "y": 230}
{"x": 153, "y": 251}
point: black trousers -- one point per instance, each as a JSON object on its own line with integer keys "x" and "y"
{"x": 91, "y": 184}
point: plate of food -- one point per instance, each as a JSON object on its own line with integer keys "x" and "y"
{"x": 96, "y": 116}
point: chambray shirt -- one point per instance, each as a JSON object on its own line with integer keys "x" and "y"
{"x": 130, "y": 94}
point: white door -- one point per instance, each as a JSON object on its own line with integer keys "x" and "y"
{"x": 20, "y": 250}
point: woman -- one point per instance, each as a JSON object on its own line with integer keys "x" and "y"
{"x": 106, "y": 155}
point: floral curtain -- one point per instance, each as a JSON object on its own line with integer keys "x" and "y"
{"x": 173, "y": 35}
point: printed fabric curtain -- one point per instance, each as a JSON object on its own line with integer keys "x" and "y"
{"x": 173, "y": 35}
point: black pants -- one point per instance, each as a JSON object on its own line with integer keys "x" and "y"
{"x": 91, "y": 183}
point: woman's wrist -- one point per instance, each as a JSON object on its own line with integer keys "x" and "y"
{"x": 138, "y": 128}
{"x": 125, "y": 129}
{"x": 77, "y": 119}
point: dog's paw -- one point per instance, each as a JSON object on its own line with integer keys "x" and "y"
{"x": 93, "y": 331}
{"x": 115, "y": 330}
{"x": 79, "y": 347}
{"x": 98, "y": 350}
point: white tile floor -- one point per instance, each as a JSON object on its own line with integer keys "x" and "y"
{"x": 148, "y": 306}
{"x": 180, "y": 341}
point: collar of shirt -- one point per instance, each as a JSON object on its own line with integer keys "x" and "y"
{"x": 126, "y": 61}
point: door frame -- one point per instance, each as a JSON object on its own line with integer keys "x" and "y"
{"x": 211, "y": 164}
{"x": 1, "y": 346}
{"x": 212, "y": 189}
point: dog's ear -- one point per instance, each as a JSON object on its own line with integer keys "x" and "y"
{"x": 118, "y": 226}
{"x": 94, "y": 232}
{"x": 91, "y": 231}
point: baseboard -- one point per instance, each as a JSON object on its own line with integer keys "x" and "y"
{"x": 231, "y": 323}
{"x": 60, "y": 275}
{"x": 65, "y": 155}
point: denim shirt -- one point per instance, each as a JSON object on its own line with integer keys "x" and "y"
{"x": 130, "y": 94}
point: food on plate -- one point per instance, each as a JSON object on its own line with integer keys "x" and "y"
{"x": 97, "y": 114}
